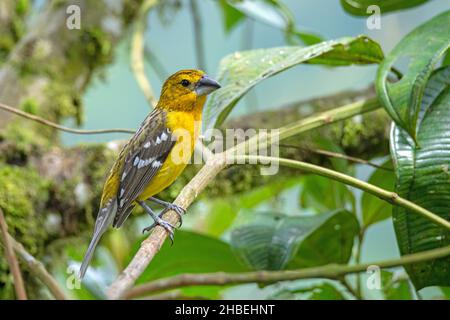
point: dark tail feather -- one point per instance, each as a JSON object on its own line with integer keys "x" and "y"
{"x": 104, "y": 220}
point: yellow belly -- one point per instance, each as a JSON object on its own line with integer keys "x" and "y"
{"x": 168, "y": 173}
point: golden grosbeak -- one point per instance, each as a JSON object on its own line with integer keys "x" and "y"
{"x": 150, "y": 161}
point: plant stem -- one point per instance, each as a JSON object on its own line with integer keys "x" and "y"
{"x": 11, "y": 258}
{"x": 332, "y": 271}
{"x": 385, "y": 195}
{"x": 137, "y": 51}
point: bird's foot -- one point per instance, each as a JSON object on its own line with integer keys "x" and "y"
{"x": 158, "y": 221}
{"x": 180, "y": 211}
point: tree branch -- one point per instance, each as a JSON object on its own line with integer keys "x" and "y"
{"x": 21, "y": 294}
{"x": 332, "y": 271}
{"x": 38, "y": 269}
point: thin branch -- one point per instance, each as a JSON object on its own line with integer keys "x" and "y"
{"x": 198, "y": 35}
{"x": 57, "y": 126}
{"x": 336, "y": 155}
{"x": 388, "y": 196}
{"x": 38, "y": 269}
{"x": 331, "y": 271}
{"x": 11, "y": 258}
{"x": 137, "y": 52}
{"x": 150, "y": 246}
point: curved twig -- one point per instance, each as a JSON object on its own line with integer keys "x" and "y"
{"x": 57, "y": 126}
{"x": 388, "y": 196}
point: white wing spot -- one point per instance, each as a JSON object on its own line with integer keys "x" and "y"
{"x": 124, "y": 174}
{"x": 144, "y": 163}
{"x": 122, "y": 191}
{"x": 158, "y": 140}
{"x": 147, "y": 145}
{"x": 156, "y": 164}
{"x": 164, "y": 136}
{"x": 121, "y": 203}
{"x": 136, "y": 161}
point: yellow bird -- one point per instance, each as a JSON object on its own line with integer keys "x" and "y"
{"x": 155, "y": 156}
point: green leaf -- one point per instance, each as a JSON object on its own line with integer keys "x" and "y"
{"x": 241, "y": 71}
{"x": 191, "y": 253}
{"x": 263, "y": 11}
{"x": 373, "y": 208}
{"x": 322, "y": 194}
{"x": 423, "y": 48}
{"x": 423, "y": 177}
{"x": 395, "y": 288}
{"x": 231, "y": 16}
{"x": 274, "y": 242}
{"x": 359, "y": 7}
{"x": 446, "y": 292}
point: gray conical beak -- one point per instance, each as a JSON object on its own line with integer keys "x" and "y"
{"x": 206, "y": 85}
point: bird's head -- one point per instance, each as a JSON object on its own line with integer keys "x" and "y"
{"x": 186, "y": 87}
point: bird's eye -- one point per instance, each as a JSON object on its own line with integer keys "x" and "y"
{"x": 185, "y": 83}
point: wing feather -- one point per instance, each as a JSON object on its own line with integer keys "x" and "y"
{"x": 146, "y": 152}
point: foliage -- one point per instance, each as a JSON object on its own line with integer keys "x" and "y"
{"x": 402, "y": 99}
{"x": 241, "y": 71}
{"x": 423, "y": 176}
{"x": 273, "y": 242}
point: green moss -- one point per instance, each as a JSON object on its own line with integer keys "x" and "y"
{"x": 22, "y": 7}
{"x": 23, "y": 195}
{"x": 30, "y": 105}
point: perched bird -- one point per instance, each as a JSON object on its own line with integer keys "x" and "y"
{"x": 155, "y": 156}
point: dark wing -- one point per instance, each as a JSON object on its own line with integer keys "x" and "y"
{"x": 145, "y": 154}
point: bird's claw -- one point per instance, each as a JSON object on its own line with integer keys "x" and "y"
{"x": 180, "y": 211}
{"x": 163, "y": 223}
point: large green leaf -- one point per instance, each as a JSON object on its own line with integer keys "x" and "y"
{"x": 373, "y": 208}
{"x": 423, "y": 176}
{"x": 273, "y": 242}
{"x": 423, "y": 48}
{"x": 192, "y": 253}
{"x": 359, "y": 7}
{"x": 241, "y": 71}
